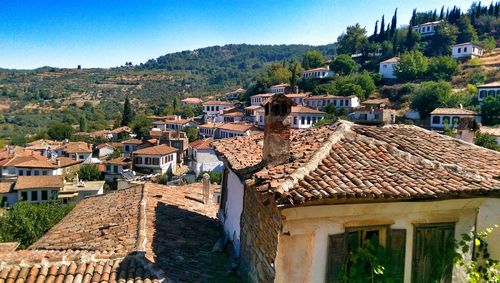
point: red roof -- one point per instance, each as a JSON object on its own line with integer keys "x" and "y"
{"x": 161, "y": 149}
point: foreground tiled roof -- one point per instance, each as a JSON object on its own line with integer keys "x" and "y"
{"x": 343, "y": 161}
{"x": 161, "y": 149}
{"x": 452, "y": 111}
{"x": 150, "y": 232}
{"x": 39, "y": 182}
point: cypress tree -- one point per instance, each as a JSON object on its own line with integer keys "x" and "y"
{"x": 441, "y": 14}
{"x": 491, "y": 10}
{"x": 394, "y": 23}
{"x": 434, "y": 15}
{"x": 497, "y": 9}
{"x": 83, "y": 123}
{"x": 374, "y": 37}
{"x": 381, "y": 36}
{"x": 413, "y": 18}
{"x": 127, "y": 114}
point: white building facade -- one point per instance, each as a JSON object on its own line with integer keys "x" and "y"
{"x": 466, "y": 50}
{"x": 387, "y": 68}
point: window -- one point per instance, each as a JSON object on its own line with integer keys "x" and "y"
{"x": 37, "y": 173}
{"x": 115, "y": 169}
{"x": 341, "y": 102}
{"x": 45, "y": 195}
{"x": 384, "y": 66}
{"x": 302, "y": 120}
{"x": 156, "y": 161}
{"x": 433, "y": 247}
{"x": 295, "y": 120}
{"x": 428, "y": 28}
{"x": 446, "y": 120}
{"x": 108, "y": 168}
{"x": 138, "y": 160}
{"x": 436, "y": 119}
{"x": 81, "y": 157}
{"x": 34, "y": 195}
{"x": 465, "y": 49}
{"x": 147, "y": 160}
{"x": 127, "y": 148}
{"x": 44, "y": 173}
{"x": 28, "y": 172}
{"x": 308, "y": 120}
{"x": 459, "y": 50}
{"x": 24, "y": 195}
{"x": 483, "y": 93}
{"x": 491, "y": 93}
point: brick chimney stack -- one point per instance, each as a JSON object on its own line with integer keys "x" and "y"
{"x": 277, "y": 129}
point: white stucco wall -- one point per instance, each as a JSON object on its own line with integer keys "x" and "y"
{"x": 233, "y": 209}
{"x": 315, "y": 223}
{"x": 387, "y": 70}
{"x": 206, "y": 160}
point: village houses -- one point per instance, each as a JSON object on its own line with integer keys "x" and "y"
{"x": 466, "y": 50}
{"x": 374, "y": 111}
{"x": 280, "y": 88}
{"x": 304, "y": 117}
{"x": 213, "y": 108}
{"x": 191, "y": 101}
{"x": 295, "y": 203}
{"x": 486, "y": 90}
{"x": 203, "y": 158}
{"x": 158, "y": 159}
{"x": 387, "y": 68}
{"x": 426, "y": 29}
{"x": 318, "y": 73}
{"x": 340, "y": 102}
{"x": 235, "y": 94}
{"x": 441, "y": 117}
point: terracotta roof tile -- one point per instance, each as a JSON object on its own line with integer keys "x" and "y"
{"x": 46, "y": 182}
{"x": 344, "y": 161}
{"x": 201, "y": 144}
{"x": 6, "y": 187}
{"x": 305, "y": 110}
{"x": 192, "y": 100}
{"x": 217, "y": 102}
{"x": 121, "y": 130}
{"x": 67, "y": 161}
{"x": 119, "y": 161}
{"x": 452, "y": 111}
{"x": 76, "y": 147}
{"x": 161, "y": 149}
{"x": 391, "y": 60}
{"x": 236, "y": 127}
{"x": 132, "y": 141}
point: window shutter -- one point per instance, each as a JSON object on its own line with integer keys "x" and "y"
{"x": 397, "y": 245}
{"x": 337, "y": 254}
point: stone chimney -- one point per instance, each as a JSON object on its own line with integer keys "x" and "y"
{"x": 276, "y": 149}
{"x": 466, "y": 129}
{"x": 206, "y": 188}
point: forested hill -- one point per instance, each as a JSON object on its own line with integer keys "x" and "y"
{"x": 233, "y": 64}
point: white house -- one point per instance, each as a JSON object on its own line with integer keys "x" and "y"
{"x": 250, "y": 112}
{"x": 37, "y": 189}
{"x": 298, "y": 98}
{"x": 77, "y": 190}
{"x": 156, "y": 159}
{"x": 191, "y": 101}
{"x": 322, "y": 101}
{"x": 215, "y": 107}
{"x": 426, "y": 29}
{"x": 8, "y": 196}
{"x": 318, "y": 73}
{"x": 485, "y": 90}
{"x": 494, "y": 131}
{"x": 280, "y": 88}
{"x": 104, "y": 149}
{"x": 387, "y": 67}
{"x": 76, "y": 150}
{"x": 130, "y": 146}
{"x": 374, "y": 111}
{"x": 451, "y": 117}
{"x": 208, "y": 129}
{"x": 235, "y": 94}
{"x": 233, "y": 130}
{"x": 203, "y": 157}
{"x": 304, "y": 117}
{"x": 256, "y": 100}
{"x": 115, "y": 167}
{"x": 234, "y": 116}
{"x": 466, "y": 50}
{"x": 259, "y": 117}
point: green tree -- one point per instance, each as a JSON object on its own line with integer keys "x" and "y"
{"x": 351, "y": 89}
{"x": 127, "y": 114}
{"x": 477, "y": 77}
{"x": 467, "y": 33}
{"x": 313, "y": 59}
{"x": 295, "y": 72}
{"x": 443, "y": 68}
{"x": 60, "y": 131}
{"x": 193, "y": 133}
{"x": 324, "y": 89}
{"x": 490, "y": 110}
{"x": 486, "y": 140}
{"x": 343, "y": 65}
{"x": 352, "y": 40}
{"x": 141, "y": 126}
{"x": 83, "y": 123}
{"x": 277, "y": 73}
{"x": 26, "y": 222}
{"x": 442, "y": 40}
{"x": 411, "y": 40}
{"x": 89, "y": 173}
{"x": 429, "y": 96}
{"x": 412, "y": 65}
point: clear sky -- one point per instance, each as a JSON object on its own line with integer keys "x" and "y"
{"x": 107, "y": 33}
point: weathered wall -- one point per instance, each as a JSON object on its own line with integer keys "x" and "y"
{"x": 260, "y": 226}
{"x": 233, "y": 209}
{"x": 316, "y": 223}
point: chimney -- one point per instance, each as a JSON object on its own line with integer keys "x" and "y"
{"x": 276, "y": 149}
{"x": 296, "y": 89}
{"x": 58, "y": 163}
{"x": 466, "y": 129}
{"x": 206, "y": 188}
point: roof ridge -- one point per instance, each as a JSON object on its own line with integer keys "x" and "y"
{"x": 343, "y": 129}
{"x": 140, "y": 244}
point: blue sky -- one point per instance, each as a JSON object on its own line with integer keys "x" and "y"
{"x": 107, "y": 33}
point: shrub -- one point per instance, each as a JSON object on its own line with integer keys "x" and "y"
{"x": 89, "y": 173}
{"x": 215, "y": 177}
{"x": 443, "y": 68}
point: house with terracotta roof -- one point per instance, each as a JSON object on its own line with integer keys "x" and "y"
{"x": 147, "y": 233}
{"x": 202, "y": 157}
{"x": 115, "y": 167}
{"x": 176, "y": 139}
{"x": 298, "y": 98}
{"x": 76, "y": 150}
{"x": 451, "y": 117}
{"x": 235, "y": 94}
{"x": 37, "y": 189}
{"x": 232, "y": 115}
{"x": 251, "y": 112}
{"x": 158, "y": 159}
{"x": 258, "y": 99}
{"x": 304, "y": 117}
{"x": 387, "y": 68}
{"x": 318, "y": 73}
{"x": 208, "y": 129}
{"x": 489, "y": 89}
{"x": 214, "y": 108}
{"x": 173, "y": 124}
{"x": 374, "y": 111}
{"x": 466, "y": 50}
{"x": 121, "y": 133}
{"x": 105, "y": 149}
{"x": 280, "y": 88}
{"x": 296, "y": 203}
{"x": 130, "y": 146}
{"x": 320, "y": 102}
{"x": 191, "y": 101}
{"x": 233, "y": 130}
{"x": 426, "y": 29}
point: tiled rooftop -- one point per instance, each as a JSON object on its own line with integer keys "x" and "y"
{"x": 161, "y": 149}
{"x": 305, "y": 110}
{"x": 345, "y": 161}
{"x": 201, "y": 144}
{"x": 452, "y": 111}
{"x": 30, "y": 182}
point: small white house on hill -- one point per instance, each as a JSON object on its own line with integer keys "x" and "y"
{"x": 426, "y": 29}
{"x": 318, "y": 73}
{"x": 466, "y": 50}
{"x": 387, "y": 67}
{"x": 490, "y": 89}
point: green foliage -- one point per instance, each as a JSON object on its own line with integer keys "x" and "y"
{"x": 60, "y": 131}
{"x": 89, "y": 173}
{"x": 352, "y": 40}
{"x": 83, "y": 123}
{"x": 489, "y": 43}
{"x": 164, "y": 178}
{"x": 193, "y": 133}
{"x": 443, "y": 68}
{"x": 26, "y": 222}
{"x": 127, "y": 114}
{"x": 486, "y": 140}
{"x": 116, "y": 153}
{"x": 412, "y": 65}
{"x": 490, "y": 110}
{"x": 313, "y": 59}
{"x": 215, "y": 177}
{"x": 348, "y": 88}
{"x": 442, "y": 40}
{"x": 429, "y": 96}
{"x": 343, "y": 65}
{"x": 141, "y": 125}
{"x": 466, "y": 33}
{"x": 329, "y": 88}
{"x": 477, "y": 78}
{"x": 481, "y": 268}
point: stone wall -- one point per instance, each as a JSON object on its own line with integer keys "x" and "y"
{"x": 260, "y": 226}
